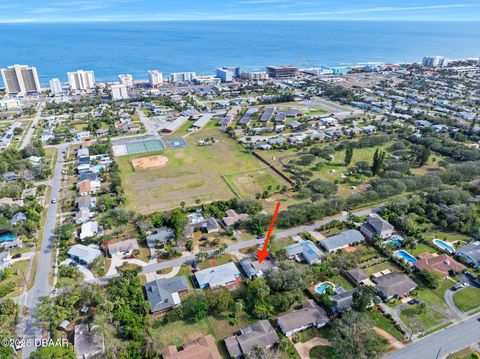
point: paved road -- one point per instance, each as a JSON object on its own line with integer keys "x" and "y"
{"x": 441, "y": 343}
{"x": 241, "y": 244}
{"x": 27, "y": 325}
{"x": 147, "y": 122}
{"x": 31, "y": 130}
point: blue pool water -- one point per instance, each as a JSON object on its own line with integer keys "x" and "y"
{"x": 395, "y": 241}
{"x": 7, "y": 237}
{"x": 405, "y": 255}
{"x": 444, "y": 245}
{"x": 322, "y": 287}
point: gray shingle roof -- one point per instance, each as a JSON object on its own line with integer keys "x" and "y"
{"x": 394, "y": 284}
{"x": 310, "y": 314}
{"x": 261, "y": 334}
{"x": 342, "y": 240}
{"x": 163, "y": 293}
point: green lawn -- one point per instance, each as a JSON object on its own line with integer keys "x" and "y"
{"x": 194, "y": 173}
{"x": 323, "y": 353}
{"x": 248, "y": 184}
{"x": 421, "y": 248}
{"x": 435, "y": 296}
{"x": 342, "y": 282}
{"x": 467, "y": 299}
{"x": 382, "y": 322}
{"x": 467, "y": 353}
{"x": 426, "y": 320}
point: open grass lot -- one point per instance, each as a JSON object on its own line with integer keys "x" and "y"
{"x": 421, "y": 248}
{"x": 193, "y": 173}
{"x": 467, "y": 353}
{"x": 331, "y": 171}
{"x": 12, "y": 286}
{"x": 382, "y": 322}
{"x": 467, "y": 299}
{"x": 247, "y": 184}
{"x": 426, "y": 320}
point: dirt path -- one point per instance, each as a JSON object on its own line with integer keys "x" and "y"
{"x": 394, "y": 343}
{"x": 303, "y": 349}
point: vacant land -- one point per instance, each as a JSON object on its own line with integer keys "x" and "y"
{"x": 419, "y": 322}
{"x": 194, "y": 174}
{"x": 467, "y": 299}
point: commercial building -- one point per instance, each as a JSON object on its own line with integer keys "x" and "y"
{"x": 119, "y": 92}
{"x": 155, "y": 78}
{"x": 20, "y": 79}
{"x": 282, "y": 72}
{"x": 182, "y": 76}
{"x": 81, "y": 80}
{"x": 126, "y": 79}
{"x": 56, "y": 87}
{"x": 435, "y": 61}
{"x": 228, "y": 74}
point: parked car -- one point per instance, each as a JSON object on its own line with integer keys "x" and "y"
{"x": 454, "y": 288}
{"x": 54, "y": 200}
{"x": 413, "y": 301}
{"x": 18, "y": 255}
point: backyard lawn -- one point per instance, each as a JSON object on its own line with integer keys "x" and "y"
{"x": 467, "y": 299}
{"x": 382, "y": 266}
{"x": 426, "y": 320}
{"x": 195, "y": 174}
{"x": 421, "y": 248}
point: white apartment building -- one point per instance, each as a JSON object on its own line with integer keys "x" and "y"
{"x": 20, "y": 79}
{"x": 182, "y": 76}
{"x": 119, "y": 92}
{"x": 155, "y": 78}
{"x": 256, "y": 76}
{"x": 56, "y": 87}
{"x": 126, "y": 79}
{"x": 435, "y": 61}
{"x": 81, "y": 80}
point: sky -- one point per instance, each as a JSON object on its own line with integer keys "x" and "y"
{"x": 168, "y": 10}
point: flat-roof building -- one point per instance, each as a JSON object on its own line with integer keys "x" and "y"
{"x": 282, "y": 72}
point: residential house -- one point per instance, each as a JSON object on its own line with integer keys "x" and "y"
{"x": 17, "y": 217}
{"x": 82, "y": 216}
{"x": 163, "y": 294}
{"x": 125, "y": 247}
{"x": 376, "y": 226}
{"x": 305, "y": 251}
{"x": 15, "y": 243}
{"x": 342, "y": 301}
{"x": 471, "y": 253}
{"x": 258, "y": 335}
{"x": 88, "y": 342}
{"x": 223, "y": 275}
{"x": 160, "y": 237}
{"x": 342, "y": 240}
{"x": 394, "y": 285}
{"x": 357, "y": 276}
{"x": 233, "y": 217}
{"x": 88, "y": 229}
{"x": 254, "y": 269}
{"x": 84, "y": 254}
{"x": 29, "y": 192}
{"x": 5, "y": 260}
{"x": 83, "y": 152}
{"x": 86, "y": 202}
{"x": 311, "y": 315}
{"x": 200, "y": 348}
{"x": 443, "y": 264}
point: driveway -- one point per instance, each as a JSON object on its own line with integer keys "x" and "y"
{"x": 303, "y": 349}
{"x": 118, "y": 261}
{"x": 24, "y": 256}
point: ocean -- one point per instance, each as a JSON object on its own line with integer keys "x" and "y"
{"x": 135, "y": 47}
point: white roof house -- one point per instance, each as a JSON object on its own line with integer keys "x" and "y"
{"x": 88, "y": 229}
{"x": 84, "y": 254}
{"x": 223, "y": 275}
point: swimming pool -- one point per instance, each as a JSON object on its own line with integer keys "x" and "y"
{"x": 7, "y": 237}
{"x": 444, "y": 245}
{"x": 395, "y": 241}
{"x": 405, "y": 255}
{"x": 322, "y": 287}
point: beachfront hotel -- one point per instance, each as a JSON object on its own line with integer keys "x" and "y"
{"x": 81, "y": 80}
{"x": 155, "y": 78}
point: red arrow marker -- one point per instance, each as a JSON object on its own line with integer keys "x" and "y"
{"x": 262, "y": 253}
